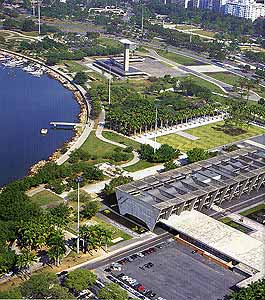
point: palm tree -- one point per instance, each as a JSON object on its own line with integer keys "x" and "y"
{"x": 57, "y": 246}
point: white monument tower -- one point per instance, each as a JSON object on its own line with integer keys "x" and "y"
{"x": 126, "y": 58}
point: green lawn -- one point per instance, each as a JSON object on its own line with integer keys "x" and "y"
{"x": 115, "y": 231}
{"x": 108, "y": 42}
{"x": 205, "y": 32}
{"x": 45, "y": 198}
{"x": 120, "y": 139}
{"x": 72, "y": 227}
{"x": 142, "y": 164}
{"x": 73, "y": 66}
{"x": 96, "y": 147}
{"x": 209, "y": 137}
{"x": 226, "y": 77}
{"x": 180, "y": 59}
{"x": 252, "y": 210}
{"x": 206, "y": 84}
{"x": 99, "y": 149}
{"x": 184, "y": 27}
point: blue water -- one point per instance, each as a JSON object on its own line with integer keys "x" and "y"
{"x": 27, "y": 104}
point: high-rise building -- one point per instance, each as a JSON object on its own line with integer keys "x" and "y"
{"x": 249, "y": 9}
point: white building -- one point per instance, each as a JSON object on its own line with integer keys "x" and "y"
{"x": 249, "y": 9}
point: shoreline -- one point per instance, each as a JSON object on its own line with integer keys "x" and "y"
{"x": 80, "y": 98}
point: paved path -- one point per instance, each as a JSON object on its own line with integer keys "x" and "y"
{"x": 77, "y": 144}
{"x": 102, "y": 138}
{"x": 187, "y": 135}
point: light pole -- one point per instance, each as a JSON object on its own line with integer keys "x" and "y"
{"x": 109, "y": 83}
{"x": 39, "y": 3}
{"x": 155, "y": 131}
{"x": 78, "y": 180}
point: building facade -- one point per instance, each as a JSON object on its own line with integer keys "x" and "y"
{"x": 248, "y": 9}
{"x": 195, "y": 186}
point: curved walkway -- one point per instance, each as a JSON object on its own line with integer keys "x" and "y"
{"x": 103, "y": 139}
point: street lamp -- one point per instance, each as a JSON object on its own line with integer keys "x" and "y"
{"x": 155, "y": 131}
{"x": 78, "y": 180}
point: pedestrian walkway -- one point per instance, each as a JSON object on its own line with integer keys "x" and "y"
{"x": 102, "y": 138}
{"x": 147, "y": 138}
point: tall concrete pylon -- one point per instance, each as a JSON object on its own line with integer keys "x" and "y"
{"x": 126, "y": 51}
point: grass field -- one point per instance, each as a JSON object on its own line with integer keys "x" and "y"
{"x": 115, "y": 231}
{"x": 108, "y": 42}
{"x": 121, "y": 139}
{"x": 179, "y": 59}
{"x": 73, "y": 66}
{"x": 226, "y": 77}
{"x": 45, "y": 198}
{"x": 206, "y": 84}
{"x": 205, "y": 33}
{"x": 142, "y": 164}
{"x": 96, "y": 147}
{"x": 72, "y": 227}
{"x": 209, "y": 137}
{"x": 99, "y": 149}
{"x": 184, "y": 27}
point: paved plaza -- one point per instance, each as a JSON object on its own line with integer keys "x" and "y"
{"x": 157, "y": 68}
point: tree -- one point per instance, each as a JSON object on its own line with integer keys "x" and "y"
{"x": 91, "y": 208}
{"x": 57, "y": 246}
{"x": 11, "y": 294}
{"x": 109, "y": 189}
{"x": 80, "y": 279}
{"x": 163, "y": 154}
{"x": 38, "y": 286}
{"x": 59, "y": 292}
{"x": 25, "y": 259}
{"x": 60, "y": 215}
{"x": 84, "y": 196}
{"x": 80, "y": 78}
{"x": 52, "y": 60}
{"x": 112, "y": 292}
{"x": 28, "y": 25}
{"x": 197, "y": 154}
{"x": 95, "y": 236}
{"x": 170, "y": 165}
{"x": 255, "y": 290}
{"x": 7, "y": 259}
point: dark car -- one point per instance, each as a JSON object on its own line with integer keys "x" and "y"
{"x": 63, "y": 273}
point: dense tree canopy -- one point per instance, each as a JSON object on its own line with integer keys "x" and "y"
{"x": 80, "y": 279}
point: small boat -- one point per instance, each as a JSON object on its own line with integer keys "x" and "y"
{"x": 37, "y": 73}
{"x": 44, "y": 131}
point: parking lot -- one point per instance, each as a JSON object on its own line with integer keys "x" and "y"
{"x": 174, "y": 272}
